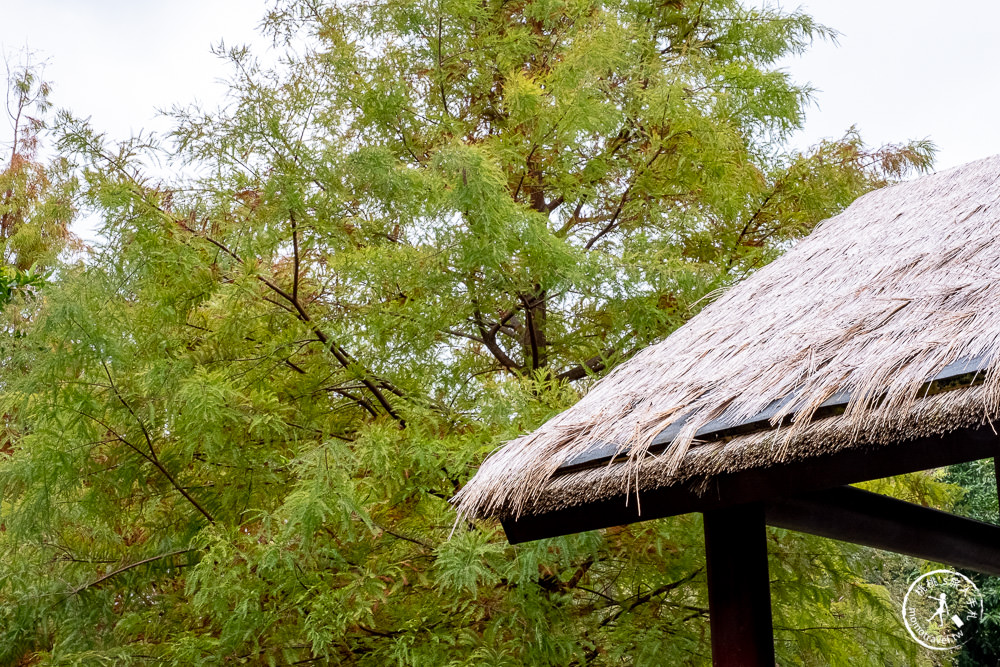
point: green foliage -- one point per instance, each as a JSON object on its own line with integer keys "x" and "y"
{"x": 14, "y": 281}
{"x": 979, "y": 480}
{"x": 236, "y": 429}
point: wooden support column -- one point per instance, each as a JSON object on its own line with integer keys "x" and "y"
{"x": 996, "y": 474}
{"x": 739, "y": 587}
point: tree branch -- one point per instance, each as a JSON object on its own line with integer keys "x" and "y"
{"x": 295, "y": 256}
{"x": 490, "y": 341}
{"x": 643, "y": 599}
{"x": 153, "y": 458}
{"x": 444, "y": 97}
{"x": 372, "y": 383}
{"x": 621, "y": 203}
{"x": 595, "y": 364}
{"x": 126, "y": 568}
{"x": 530, "y": 323}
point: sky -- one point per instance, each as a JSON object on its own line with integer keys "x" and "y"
{"x": 118, "y": 61}
{"x": 902, "y": 70}
{"x": 906, "y": 70}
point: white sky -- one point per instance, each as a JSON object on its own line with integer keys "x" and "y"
{"x": 902, "y": 70}
{"x": 118, "y": 61}
{"x": 907, "y": 70}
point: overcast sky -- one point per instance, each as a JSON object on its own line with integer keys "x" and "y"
{"x": 907, "y": 70}
{"x": 902, "y": 69}
{"x": 118, "y": 61}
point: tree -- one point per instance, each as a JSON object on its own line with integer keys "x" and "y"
{"x": 36, "y": 204}
{"x": 978, "y": 479}
{"x": 424, "y": 232}
{"x": 36, "y": 208}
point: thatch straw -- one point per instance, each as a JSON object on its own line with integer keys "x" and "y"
{"x": 874, "y": 302}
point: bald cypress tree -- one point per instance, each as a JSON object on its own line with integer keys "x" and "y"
{"x": 423, "y": 232}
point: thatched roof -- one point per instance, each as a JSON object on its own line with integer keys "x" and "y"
{"x": 855, "y": 322}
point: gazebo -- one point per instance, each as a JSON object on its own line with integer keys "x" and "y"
{"x": 870, "y": 349}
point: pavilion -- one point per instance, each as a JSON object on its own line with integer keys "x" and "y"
{"x": 867, "y": 350}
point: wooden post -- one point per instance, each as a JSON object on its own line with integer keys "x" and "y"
{"x": 996, "y": 474}
{"x": 739, "y": 587}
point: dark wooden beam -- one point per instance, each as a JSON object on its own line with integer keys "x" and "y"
{"x": 762, "y": 484}
{"x": 739, "y": 588}
{"x": 874, "y": 520}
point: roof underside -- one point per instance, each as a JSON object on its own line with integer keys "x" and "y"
{"x": 879, "y": 327}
